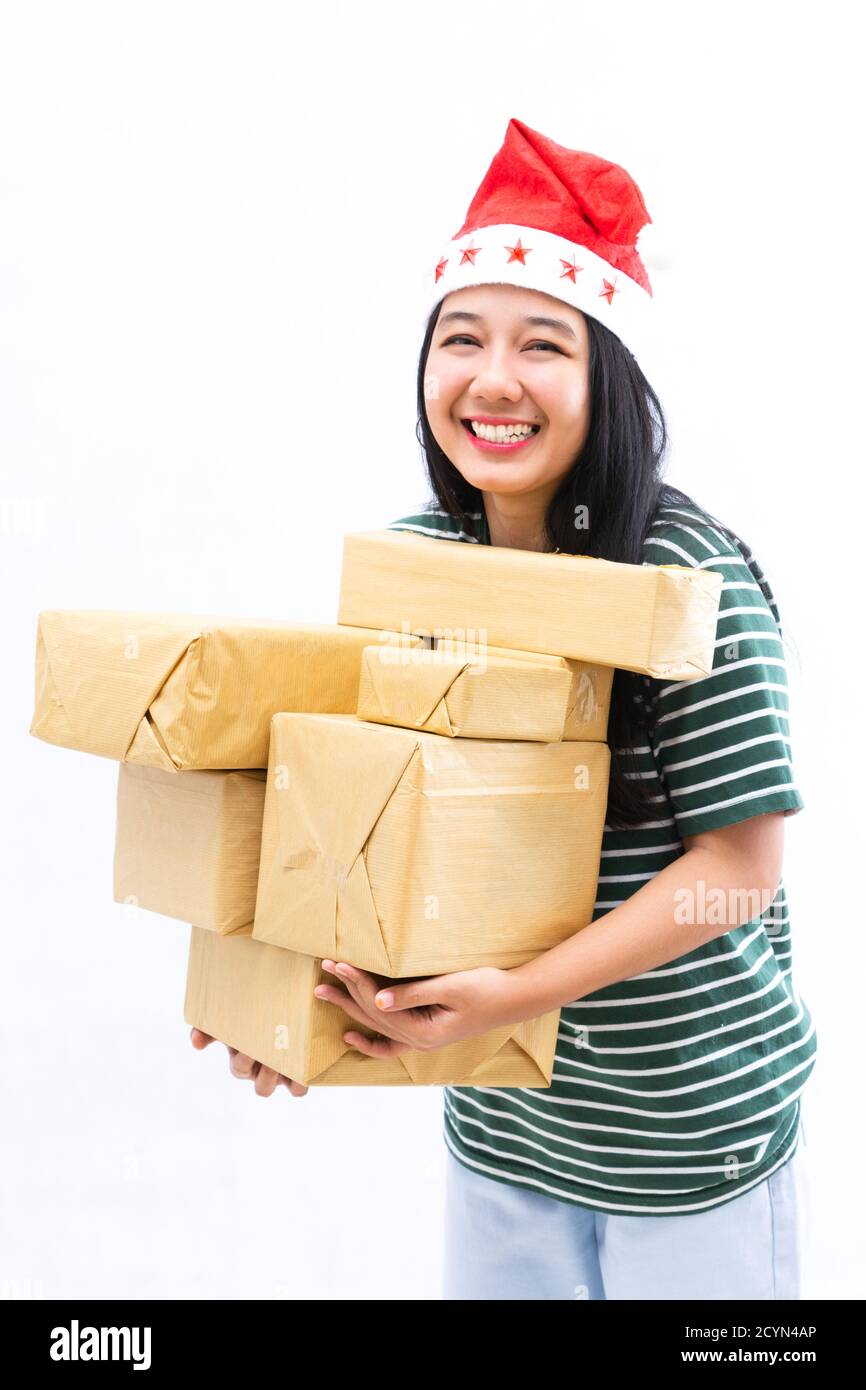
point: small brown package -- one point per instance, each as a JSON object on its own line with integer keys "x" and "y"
{"x": 479, "y": 694}
{"x": 184, "y": 691}
{"x": 659, "y": 620}
{"x": 187, "y": 844}
{"x": 407, "y": 853}
{"x": 259, "y": 999}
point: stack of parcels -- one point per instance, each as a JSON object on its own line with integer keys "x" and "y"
{"x": 354, "y": 792}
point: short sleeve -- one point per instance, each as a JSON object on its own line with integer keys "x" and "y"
{"x": 432, "y": 521}
{"x": 721, "y": 743}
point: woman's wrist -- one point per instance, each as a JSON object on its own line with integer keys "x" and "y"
{"x": 536, "y": 989}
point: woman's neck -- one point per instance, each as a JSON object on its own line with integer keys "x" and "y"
{"x": 514, "y": 522}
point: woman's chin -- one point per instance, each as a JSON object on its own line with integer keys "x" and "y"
{"x": 497, "y": 475}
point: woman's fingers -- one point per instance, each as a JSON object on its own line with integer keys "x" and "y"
{"x": 267, "y": 1080}
{"x": 380, "y": 1047}
{"x": 332, "y": 995}
{"x": 248, "y": 1069}
{"x": 360, "y": 984}
{"x": 243, "y": 1067}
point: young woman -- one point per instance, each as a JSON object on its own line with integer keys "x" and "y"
{"x": 664, "y": 1161}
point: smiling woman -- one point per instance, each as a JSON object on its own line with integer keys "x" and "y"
{"x": 684, "y": 1046}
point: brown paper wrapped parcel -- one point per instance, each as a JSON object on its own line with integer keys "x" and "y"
{"x": 187, "y": 844}
{"x": 408, "y": 853}
{"x": 484, "y": 692}
{"x": 658, "y": 620}
{"x": 185, "y": 691}
{"x": 259, "y": 999}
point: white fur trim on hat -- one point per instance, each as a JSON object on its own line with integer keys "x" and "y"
{"x": 537, "y": 260}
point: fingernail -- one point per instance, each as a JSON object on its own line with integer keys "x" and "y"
{"x": 384, "y": 1000}
{"x": 343, "y": 970}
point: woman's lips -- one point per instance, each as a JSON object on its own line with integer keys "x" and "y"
{"x": 498, "y": 448}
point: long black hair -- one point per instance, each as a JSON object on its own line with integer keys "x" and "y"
{"x": 617, "y": 478}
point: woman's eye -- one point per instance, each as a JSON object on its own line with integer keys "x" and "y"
{"x": 464, "y": 338}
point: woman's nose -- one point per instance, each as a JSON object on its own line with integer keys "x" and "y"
{"x": 496, "y": 381}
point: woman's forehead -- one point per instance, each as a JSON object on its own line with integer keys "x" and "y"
{"x": 506, "y": 305}
{"x": 498, "y": 294}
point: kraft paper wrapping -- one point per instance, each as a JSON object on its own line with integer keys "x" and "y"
{"x": 259, "y": 999}
{"x": 187, "y": 844}
{"x": 588, "y": 709}
{"x": 658, "y": 620}
{"x": 407, "y": 853}
{"x": 185, "y": 691}
{"x": 477, "y": 696}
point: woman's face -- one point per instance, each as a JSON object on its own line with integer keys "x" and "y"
{"x": 491, "y": 358}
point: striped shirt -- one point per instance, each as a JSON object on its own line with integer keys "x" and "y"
{"x": 678, "y": 1089}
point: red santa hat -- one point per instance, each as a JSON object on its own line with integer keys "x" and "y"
{"x": 561, "y": 221}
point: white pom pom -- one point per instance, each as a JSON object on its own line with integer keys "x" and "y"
{"x": 656, "y": 254}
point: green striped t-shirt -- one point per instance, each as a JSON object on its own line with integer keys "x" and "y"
{"x": 678, "y": 1089}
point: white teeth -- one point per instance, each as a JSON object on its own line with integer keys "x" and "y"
{"x": 501, "y": 434}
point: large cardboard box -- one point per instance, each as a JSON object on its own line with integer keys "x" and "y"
{"x": 186, "y": 692}
{"x": 658, "y": 620}
{"x": 408, "y": 853}
{"x": 259, "y": 999}
{"x": 187, "y": 844}
{"x": 481, "y": 694}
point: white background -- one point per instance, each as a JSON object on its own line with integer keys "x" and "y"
{"x": 218, "y": 224}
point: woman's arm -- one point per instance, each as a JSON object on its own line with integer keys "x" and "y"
{"x": 725, "y": 878}
{"x": 736, "y": 868}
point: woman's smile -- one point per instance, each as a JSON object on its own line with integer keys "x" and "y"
{"x": 497, "y": 437}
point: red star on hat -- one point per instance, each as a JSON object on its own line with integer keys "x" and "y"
{"x": 518, "y": 252}
{"x": 570, "y": 269}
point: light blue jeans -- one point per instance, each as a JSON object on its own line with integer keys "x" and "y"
{"x": 507, "y": 1242}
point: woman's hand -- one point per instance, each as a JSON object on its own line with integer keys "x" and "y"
{"x": 422, "y": 1014}
{"x": 248, "y": 1069}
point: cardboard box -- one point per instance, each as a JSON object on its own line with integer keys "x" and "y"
{"x": 659, "y": 620}
{"x": 187, "y": 844}
{"x": 464, "y": 695}
{"x": 407, "y": 853}
{"x": 259, "y": 999}
{"x": 186, "y": 692}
